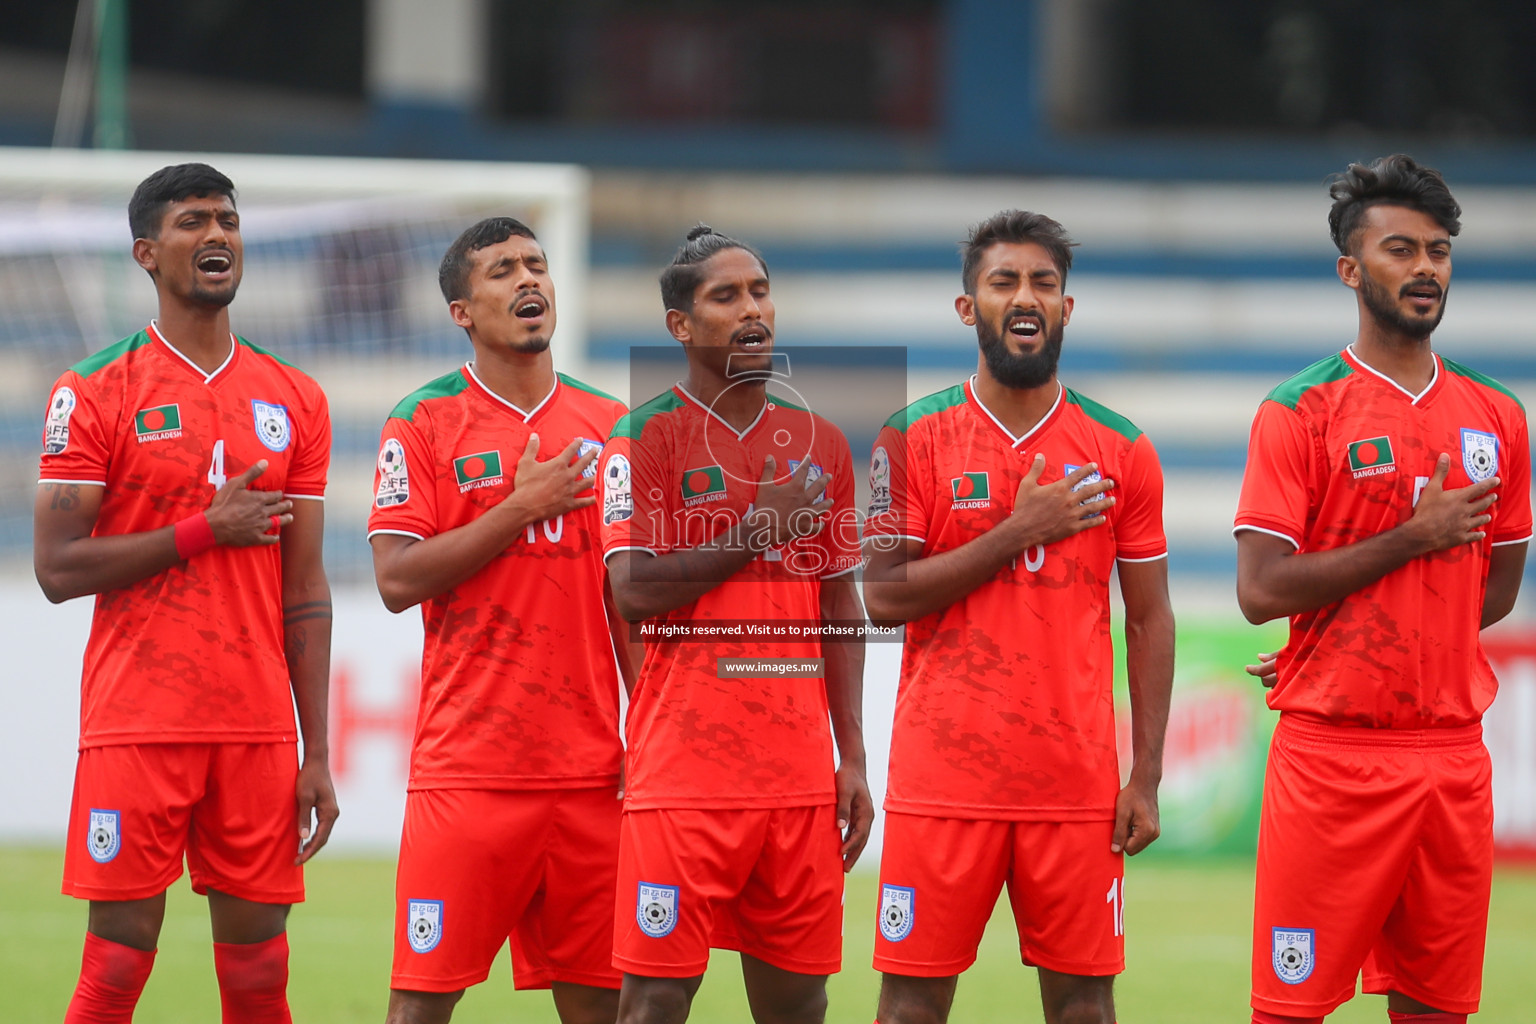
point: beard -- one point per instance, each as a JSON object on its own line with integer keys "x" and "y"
{"x": 1020, "y": 369}
{"x": 217, "y": 298}
{"x": 531, "y": 346}
{"x": 1386, "y": 312}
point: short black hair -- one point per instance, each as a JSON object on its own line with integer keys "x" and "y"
{"x": 1014, "y": 226}
{"x": 171, "y": 185}
{"x": 453, "y": 272}
{"x": 684, "y": 274}
{"x": 1396, "y": 180}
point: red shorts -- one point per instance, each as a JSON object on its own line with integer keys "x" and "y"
{"x": 768, "y": 883}
{"x": 230, "y": 808}
{"x": 1375, "y": 852}
{"x": 940, "y": 879}
{"x": 479, "y": 867}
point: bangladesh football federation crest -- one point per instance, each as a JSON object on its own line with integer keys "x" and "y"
{"x": 879, "y": 481}
{"x": 1294, "y": 957}
{"x": 618, "y": 501}
{"x": 896, "y": 911}
{"x": 103, "y": 840}
{"x": 394, "y": 477}
{"x": 424, "y": 924}
{"x": 656, "y": 909}
{"x": 1479, "y": 454}
{"x": 56, "y": 428}
{"x": 588, "y": 446}
{"x": 810, "y": 474}
{"x": 272, "y": 425}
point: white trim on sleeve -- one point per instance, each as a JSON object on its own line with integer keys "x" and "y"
{"x": 305, "y": 497}
{"x": 1507, "y": 543}
{"x": 1273, "y": 533}
{"x": 900, "y": 536}
{"x": 395, "y": 533}
{"x": 1153, "y": 558}
{"x": 93, "y": 483}
{"x": 633, "y": 547}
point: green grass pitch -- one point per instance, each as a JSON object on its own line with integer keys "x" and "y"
{"x": 1186, "y": 921}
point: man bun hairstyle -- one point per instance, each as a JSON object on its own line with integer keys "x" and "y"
{"x": 686, "y": 271}
{"x": 1014, "y": 226}
{"x": 1396, "y": 180}
{"x": 453, "y": 272}
{"x": 171, "y": 185}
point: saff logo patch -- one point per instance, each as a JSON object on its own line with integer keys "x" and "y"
{"x": 1294, "y": 957}
{"x": 971, "y": 490}
{"x": 424, "y": 924}
{"x": 1371, "y": 456}
{"x": 272, "y": 426}
{"x": 896, "y": 911}
{"x": 394, "y": 477}
{"x": 56, "y": 429}
{"x": 879, "y": 481}
{"x": 1479, "y": 454}
{"x": 656, "y": 909}
{"x": 618, "y": 499}
{"x": 104, "y": 840}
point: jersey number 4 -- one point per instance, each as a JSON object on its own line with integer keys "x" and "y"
{"x": 216, "y": 469}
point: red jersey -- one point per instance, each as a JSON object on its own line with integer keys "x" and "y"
{"x": 1339, "y": 453}
{"x": 519, "y": 689}
{"x": 194, "y": 653}
{"x": 1005, "y": 708}
{"x": 674, "y": 475}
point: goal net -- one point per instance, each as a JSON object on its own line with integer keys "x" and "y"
{"x": 340, "y": 278}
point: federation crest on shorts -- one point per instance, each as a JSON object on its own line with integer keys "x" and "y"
{"x": 618, "y": 502}
{"x": 656, "y": 909}
{"x": 272, "y": 425}
{"x": 424, "y": 924}
{"x": 103, "y": 840}
{"x": 587, "y": 446}
{"x": 394, "y": 477}
{"x": 56, "y": 429}
{"x": 896, "y": 911}
{"x": 1479, "y": 454}
{"x": 1293, "y": 954}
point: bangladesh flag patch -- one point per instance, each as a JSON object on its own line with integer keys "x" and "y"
{"x": 971, "y": 490}
{"x": 478, "y": 470}
{"x": 704, "y": 484}
{"x": 1371, "y": 457}
{"x": 154, "y": 424}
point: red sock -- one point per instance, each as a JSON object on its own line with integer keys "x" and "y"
{"x": 253, "y": 981}
{"x": 1264, "y": 1017}
{"x": 1426, "y": 1018}
{"x": 111, "y": 977}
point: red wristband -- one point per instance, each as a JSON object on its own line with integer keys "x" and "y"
{"x": 194, "y": 535}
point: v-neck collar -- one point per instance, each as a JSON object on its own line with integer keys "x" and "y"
{"x": 1014, "y": 442}
{"x": 739, "y": 434}
{"x": 527, "y": 417}
{"x": 234, "y": 346}
{"x": 1413, "y": 399}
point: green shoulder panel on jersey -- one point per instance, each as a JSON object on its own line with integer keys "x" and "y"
{"x": 589, "y": 389}
{"x": 446, "y": 386}
{"x": 110, "y": 354}
{"x": 1481, "y": 378}
{"x": 633, "y": 422}
{"x": 1325, "y": 371}
{"x": 267, "y": 352}
{"x": 936, "y": 402}
{"x": 1104, "y": 415}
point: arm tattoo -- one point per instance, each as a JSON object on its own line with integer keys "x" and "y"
{"x": 65, "y": 497}
{"x": 304, "y": 612}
